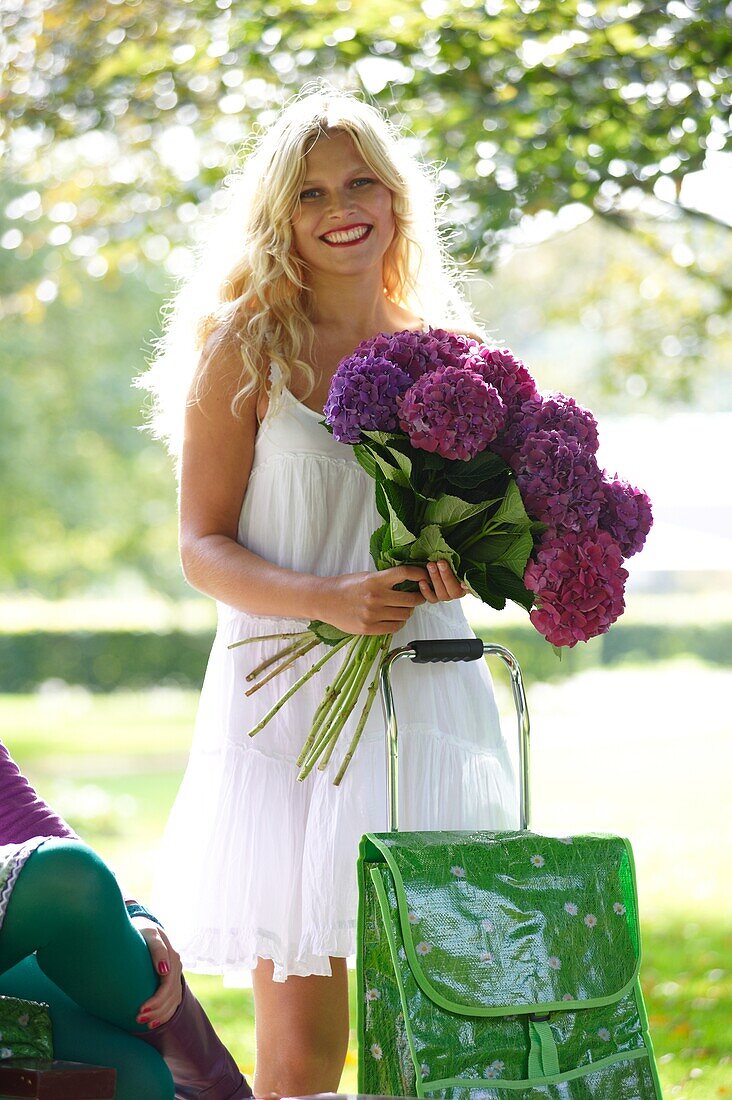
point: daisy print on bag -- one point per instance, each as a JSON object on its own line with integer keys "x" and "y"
{"x": 571, "y": 908}
{"x": 619, "y": 908}
{"x": 376, "y": 1052}
{"x": 423, "y": 948}
{"x": 590, "y": 920}
{"x": 458, "y": 872}
{"x": 372, "y": 994}
{"x": 537, "y": 860}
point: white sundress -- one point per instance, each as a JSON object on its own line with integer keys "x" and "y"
{"x": 253, "y": 863}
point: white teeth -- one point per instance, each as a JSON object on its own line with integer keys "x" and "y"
{"x": 350, "y": 235}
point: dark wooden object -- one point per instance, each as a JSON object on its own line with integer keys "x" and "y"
{"x": 42, "y": 1080}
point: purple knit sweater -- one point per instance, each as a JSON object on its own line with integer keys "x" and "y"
{"x": 22, "y": 813}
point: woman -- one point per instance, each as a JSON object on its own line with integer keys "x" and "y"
{"x": 329, "y": 238}
{"x": 104, "y": 966}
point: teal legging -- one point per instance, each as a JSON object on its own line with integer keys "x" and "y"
{"x": 67, "y": 940}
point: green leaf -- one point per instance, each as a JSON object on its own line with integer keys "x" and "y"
{"x": 517, "y": 554}
{"x": 327, "y": 633}
{"x": 400, "y": 500}
{"x": 431, "y": 546}
{"x": 382, "y": 503}
{"x": 512, "y": 509}
{"x": 509, "y": 585}
{"x": 448, "y": 510}
{"x": 388, "y": 468}
{"x": 365, "y": 459}
{"x": 377, "y": 543}
{"x": 483, "y": 467}
{"x": 382, "y": 438}
{"x": 481, "y": 587}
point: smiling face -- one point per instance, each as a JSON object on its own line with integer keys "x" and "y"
{"x": 344, "y": 223}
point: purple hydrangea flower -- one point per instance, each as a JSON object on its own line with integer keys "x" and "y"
{"x": 418, "y": 352}
{"x": 363, "y": 397}
{"x": 560, "y": 482}
{"x": 579, "y": 582}
{"x": 452, "y": 411}
{"x": 626, "y": 514}
{"x": 557, "y": 411}
{"x": 501, "y": 369}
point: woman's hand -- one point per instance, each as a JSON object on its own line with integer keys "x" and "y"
{"x": 369, "y": 603}
{"x": 443, "y": 584}
{"x": 160, "y": 1007}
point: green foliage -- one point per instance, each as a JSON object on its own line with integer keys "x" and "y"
{"x": 106, "y": 660}
{"x": 540, "y": 104}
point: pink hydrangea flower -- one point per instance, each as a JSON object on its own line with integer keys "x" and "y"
{"x": 579, "y": 583}
{"x": 418, "y": 352}
{"x": 501, "y": 369}
{"x": 452, "y": 411}
{"x": 560, "y": 482}
{"x": 626, "y": 514}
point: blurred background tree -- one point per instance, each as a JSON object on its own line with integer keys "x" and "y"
{"x": 579, "y": 151}
{"x": 579, "y": 124}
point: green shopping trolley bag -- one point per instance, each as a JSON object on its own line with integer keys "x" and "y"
{"x": 497, "y": 965}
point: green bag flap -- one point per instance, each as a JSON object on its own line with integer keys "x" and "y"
{"x": 25, "y": 1029}
{"x": 512, "y": 922}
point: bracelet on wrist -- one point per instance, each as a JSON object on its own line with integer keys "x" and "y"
{"x": 134, "y": 909}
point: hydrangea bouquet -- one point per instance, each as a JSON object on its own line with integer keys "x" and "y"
{"x": 472, "y": 465}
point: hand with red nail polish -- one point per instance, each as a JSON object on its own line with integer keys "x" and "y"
{"x": 167, "y": 964}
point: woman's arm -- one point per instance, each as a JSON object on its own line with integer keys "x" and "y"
{"x": 22, "y": 813}
{"x": 218, "y": 453}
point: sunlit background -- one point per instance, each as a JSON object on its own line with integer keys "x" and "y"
{"x": 581, "y": 156}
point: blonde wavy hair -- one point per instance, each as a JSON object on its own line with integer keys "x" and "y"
{"x": 248, "y": 287}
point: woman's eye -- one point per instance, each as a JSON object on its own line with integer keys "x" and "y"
{"x": 314, "y": 190}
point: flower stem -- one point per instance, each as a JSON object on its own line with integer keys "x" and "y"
{"x": 367, "y": 659}
{"x": 384, "y": 643}
{"x": 331, "y": 694}
{"x": 326, "y": 731}
{"x": 332, "y": 650}
{"x": 302, "y": 650}
{"x": 266, "y": 638}
{"x": 279, "y": 654}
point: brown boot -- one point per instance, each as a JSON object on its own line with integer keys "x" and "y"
{"x": 201, "y": 1066}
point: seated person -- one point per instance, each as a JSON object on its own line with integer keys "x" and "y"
{"x": 110, "y": 975}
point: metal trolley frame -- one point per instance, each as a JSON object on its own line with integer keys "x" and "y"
{"x": 441, "y": 651}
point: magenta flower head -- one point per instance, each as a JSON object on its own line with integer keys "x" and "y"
{"x": 418, "y": 352}
{"x": 560, "y": 482}
{"x": 626, "y": 514}
{"x": 501, "y": 369}
{"x": 579, "y": 583}
{"x": 452, "y": 411}
{"x": 363, "y": 397}
{"x": 559, "y": 412}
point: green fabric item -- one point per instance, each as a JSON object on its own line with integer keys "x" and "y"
{"x": 66, "y": 906}
{"x": 80, "y": 1037}
{"x": 25, "y": 1029}
{"x": 500, "y": 964}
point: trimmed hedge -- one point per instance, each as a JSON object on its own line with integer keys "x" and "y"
{"x": 107, "y": 660}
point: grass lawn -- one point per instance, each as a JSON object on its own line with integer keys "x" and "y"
{"x": 644, "y": 751}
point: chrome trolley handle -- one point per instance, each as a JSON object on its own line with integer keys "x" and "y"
{"x": 452, "y": 649}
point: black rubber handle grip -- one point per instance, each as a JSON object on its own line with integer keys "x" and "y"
{"x": 446, "y": 649}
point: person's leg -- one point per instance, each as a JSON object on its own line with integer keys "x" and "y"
{"x": 80, "y": 1037}
{"x": 66, "y": 906}
{"x": 301, "y": 1031}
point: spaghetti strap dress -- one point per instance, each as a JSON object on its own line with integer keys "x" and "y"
{"x": 255, "y": 864}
